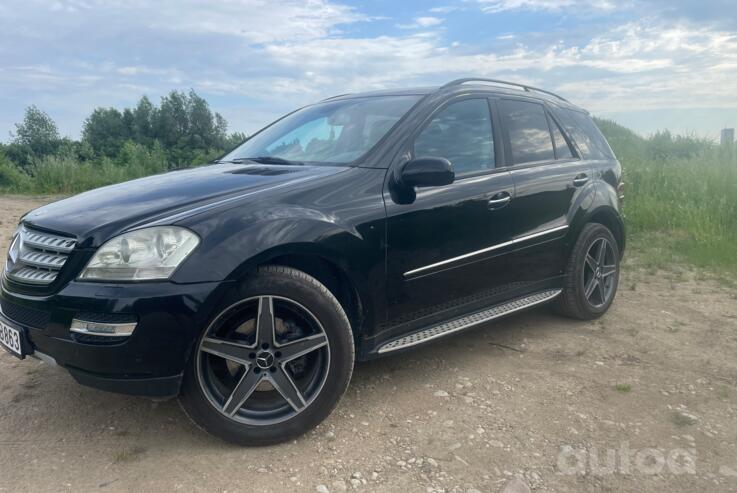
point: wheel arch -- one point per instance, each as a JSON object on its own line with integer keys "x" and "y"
{"x": 608, "y": 216}
{"x": 332, "y": 276}
{"x": 328, "y": 267}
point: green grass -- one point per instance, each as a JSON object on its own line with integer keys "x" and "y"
{"x": 623, "y": 387}
{"x": 723, "y": 392}
{"x": 698, "y": 225}
{"x": 128, "y": 454}
{"x": 59, "y": 174}
{"x": 64, "y": 176}
{"x": 680, "y": 199}
{"x": 684, "y": 208}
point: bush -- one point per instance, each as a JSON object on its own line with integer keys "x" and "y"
{"x": 142, "y": 160}
{"x": 63, "y": 175}
{"x": 13, "y": 179}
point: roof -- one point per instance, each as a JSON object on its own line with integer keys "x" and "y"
{"x": 463, "y": 85}
{"x": 412, "y": 91}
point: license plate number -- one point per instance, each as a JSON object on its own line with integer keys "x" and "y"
{"x": 10, "y": 339}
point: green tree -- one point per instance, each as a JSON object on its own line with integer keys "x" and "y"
{"x": 233, "y": 140}
{"x": 143, "y": 117}
{"x": 105, "y": 130}
{"x": 38, "y": 131}
{"x": 183, "y": 124}
{"x": 37, "y": 136}
{"x": 187, "y": 128}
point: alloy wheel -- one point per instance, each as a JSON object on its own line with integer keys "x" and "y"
{"x": 600, "y": 267}
{"x": 263, "y": 361}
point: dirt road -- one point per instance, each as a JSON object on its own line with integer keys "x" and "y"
{"x": 644, "y": 399}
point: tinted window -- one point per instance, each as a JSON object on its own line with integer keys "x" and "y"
{"x": 581, "y": 128}
{"x": 331, "y": 132}
{"x": 562, "y": 151}
{"x": 527, "y": 127}
{"x": 462, "y": 134}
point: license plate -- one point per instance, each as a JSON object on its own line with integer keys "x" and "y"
{"x": 10, "y": 339}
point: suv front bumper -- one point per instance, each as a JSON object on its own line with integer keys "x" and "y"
{"x": 149, "y": 362}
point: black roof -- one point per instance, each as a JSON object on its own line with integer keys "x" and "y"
{"x": 462, "y": 85}
{"x": 411, "y": 91}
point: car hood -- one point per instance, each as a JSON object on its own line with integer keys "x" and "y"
{"x": 95, "y": 216}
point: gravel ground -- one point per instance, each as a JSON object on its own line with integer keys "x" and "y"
{"x": 644, "y": 399}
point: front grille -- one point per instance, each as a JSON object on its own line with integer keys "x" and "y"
{"x": 36, "y": 257}
{"x": 25, "y": 316}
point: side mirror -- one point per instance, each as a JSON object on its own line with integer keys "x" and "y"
{"x": 427, "y": 172}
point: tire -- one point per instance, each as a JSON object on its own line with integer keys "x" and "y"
{"x": 281, "y": 301}
{"x": 574, "y": 302}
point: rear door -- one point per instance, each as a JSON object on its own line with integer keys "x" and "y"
{"x": 549, "y": 179}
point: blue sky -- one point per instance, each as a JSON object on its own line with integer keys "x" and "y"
{"x": 649, "y": 64}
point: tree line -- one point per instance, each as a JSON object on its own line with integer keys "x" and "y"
{"x": 181, "y": 131}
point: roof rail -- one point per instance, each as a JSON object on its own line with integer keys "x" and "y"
{"x": 527, "y": 88}
{"x": 335, "y": 97}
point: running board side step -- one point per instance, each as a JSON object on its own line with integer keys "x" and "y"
{"x": 468, "y": 321}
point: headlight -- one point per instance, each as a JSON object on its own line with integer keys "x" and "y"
{"x": 142, "y": 255}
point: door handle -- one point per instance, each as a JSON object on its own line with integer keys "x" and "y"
{"x": 500, "y": 200}
{"x": 580, "y": 180}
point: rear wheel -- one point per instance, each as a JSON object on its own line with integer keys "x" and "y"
{"x": 592, "y": 274}
{"x": 274, "y": 364}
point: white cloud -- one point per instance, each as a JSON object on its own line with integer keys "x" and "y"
{"x": 649, "y": 62}
{"x": 444, "y": 9}
{"x": 494, "y": 6}
{"x": 138, "y": 70}
{"x": 257, "y": 21}
{"x": 422, "y": 22}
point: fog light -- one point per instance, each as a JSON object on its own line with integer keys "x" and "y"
{"x": 102, "y": 329}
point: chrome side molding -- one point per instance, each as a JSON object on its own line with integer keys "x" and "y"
{"x": 484, "y": 250}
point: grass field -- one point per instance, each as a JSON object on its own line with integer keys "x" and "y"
{"x": 680, "y": 198}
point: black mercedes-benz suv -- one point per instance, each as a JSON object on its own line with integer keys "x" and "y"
{"x": 356, "y": 227}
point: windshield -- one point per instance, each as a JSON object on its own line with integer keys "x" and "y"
{"x": 334, "y": 132}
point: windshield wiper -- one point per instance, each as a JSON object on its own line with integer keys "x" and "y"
{"x": 264, "y": 160}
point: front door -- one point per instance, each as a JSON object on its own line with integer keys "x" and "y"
{"x": 445, "y": 248}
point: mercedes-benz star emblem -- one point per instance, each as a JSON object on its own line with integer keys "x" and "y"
{"x": 265, "y": 360}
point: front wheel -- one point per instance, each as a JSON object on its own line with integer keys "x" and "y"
{"x": 592, "y": 274}
{"x": 273, "y": 365}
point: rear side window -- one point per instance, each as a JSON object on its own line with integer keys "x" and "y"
{"x": 562, "y": 150}
{"x": 461, "y": 133}
{"x": 527, "y": 127}
{"x": 584, "y": 131}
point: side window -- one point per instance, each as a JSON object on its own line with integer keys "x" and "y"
{"x": 461, "y": 133}
{"x": 581, "y": 128}
{"x": 562, "y": 150}
{"x": 527, "y": 128}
